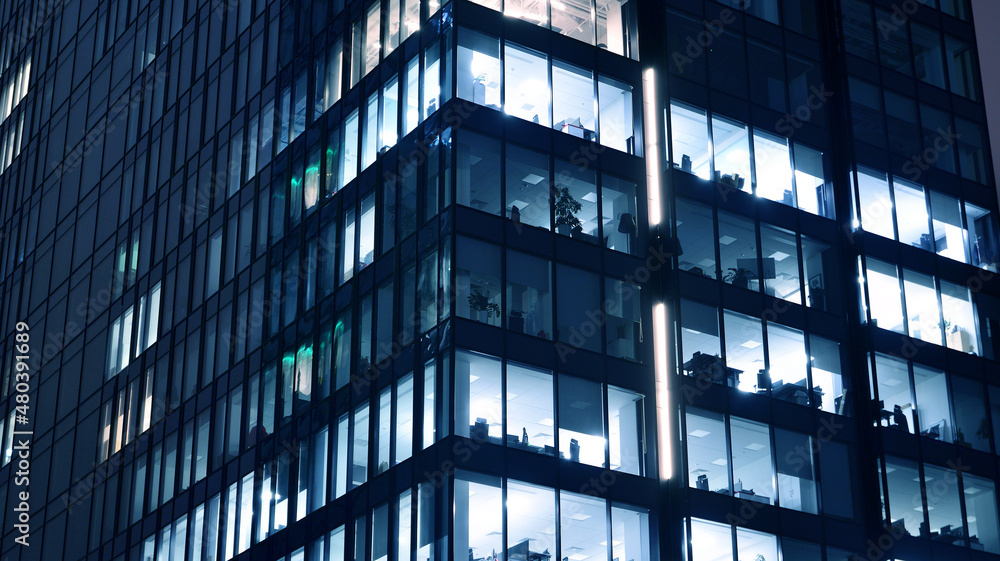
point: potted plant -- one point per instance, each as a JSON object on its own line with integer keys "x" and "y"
{"x": 738, "y": 276}
{"x": 479, "y": 301}
{"x": 566, "y": 208}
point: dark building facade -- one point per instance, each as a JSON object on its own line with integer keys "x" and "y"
{"x": 527, "y": 280}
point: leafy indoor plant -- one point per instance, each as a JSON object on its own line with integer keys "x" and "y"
{"x": 566, "y": 208}
{"x": 739, "y": 277}
{"x": 480, "y": 301}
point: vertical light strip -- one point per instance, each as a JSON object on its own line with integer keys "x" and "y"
{"x": 652, "y": 153}
{"x": 663, "y": 410}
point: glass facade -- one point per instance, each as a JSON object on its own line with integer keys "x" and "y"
{"x": 563, "y": 280}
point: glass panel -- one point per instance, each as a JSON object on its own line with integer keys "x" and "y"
{"x": 478, "y": 397}
{"x": 359, "y": 470}
{"x": 796, "y": 471}
{"x": 404, "y": 525}
{"x": 349, "y": 165}
{"x": 753, "y": 467}
{"x": 531, "y": 521}
{"x": 479, "y": 68}
{"x": 800, "y": 551}
{"x": 817, "y": 268}
{"x": 756, "y": 545}
{"x": 829, "y": 388}
{"x": 708, "y": 467}
{"x": 623, "y": 321}
{"x": 876, "y": 203}
{"x": 710, "y": 541}
{"x": 404, "y": 418}
{"x": 732, "y": 152}
{"x": 372, "y": 43}
{"x": 478, "y": 281}
{"x": 787, "y": 362}
{"x": 812, "y": 192}
{"x": 535, "y": 11}
{"x": 478, "y": 515}
{"x": 581, "y": 421}
{"x": 432, "y": 78}
{"x": 943, "y": 509}
{"x": 949, "y": 236}
{"x": 971, "y": 427}
{"x": 583, "y": 526}
{"x": 392, "y": 26}
{"x": 577, "y": 295}
{"x": 411, "y": 17}
{"x": 367, "y": 234}
{"x": 983, "y": 237}
{"x": 690, "y": 144}
{"x": 529, "y": 294}
{"x": 928, "y": 55}
{"x": 574, "y": 19}
{"x": 922, "y": 312}
{"x": 530, "y": 409}
{"x": 773, "y": 168}
{"x": 616, "y": 114}
{"x": 573, "y": 100}
{"x": 959, "y": 318}
{"x": 611, "y": 25}
{"x": 981, "y": 513}
{"x": 894, "y": 393}
{"x": 619, "y": 216}
{"x": 884, "y": 305}
{"x": 694, "y": 221}
{"x": 629, "y": 533}
{"x": 625, "y": 430}
{"x": 738, "y": 249}
{"x": 893, "y": 46}
{"x": 526, "y": 82}
{"x": 780, "y": 271}
{"x": 527, "y": 186}
{"x": 390, "y": 114}
{"x": 744, "y": 351}
{"x": 384, "y": 426}
{"x": 478, "y": 172}
{"x": 701, "y": 342}
{"x": 911, "y": 215}
{"x": 576, "y": 201}
{"x": 411, "y": 116}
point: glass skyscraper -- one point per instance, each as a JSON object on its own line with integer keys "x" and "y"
{"x": 497, "y": 280}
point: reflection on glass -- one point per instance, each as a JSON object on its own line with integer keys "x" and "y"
{"x": 478, "y": 515}
{"x": 796, "y": 471}
{"x": 624, "y": 430}
{"x": 576, "y": 201}
{"x": 583, "y": 526}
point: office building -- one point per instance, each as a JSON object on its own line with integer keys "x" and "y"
{"x": 578, "y": 280}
